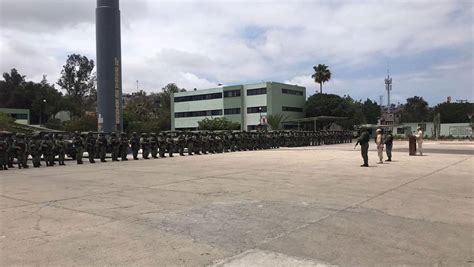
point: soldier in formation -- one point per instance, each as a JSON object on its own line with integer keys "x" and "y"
{"x": 17, "y": 146}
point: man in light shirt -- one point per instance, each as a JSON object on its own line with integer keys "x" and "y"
{"x": 379, "y": 142}
{"x": 419, "y": 140}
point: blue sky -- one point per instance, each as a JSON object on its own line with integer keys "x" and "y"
{"x": 198, "y": 44}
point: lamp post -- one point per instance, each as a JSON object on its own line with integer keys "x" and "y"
{"x": 41, "y": 111}
{"x": 260, "y": 121}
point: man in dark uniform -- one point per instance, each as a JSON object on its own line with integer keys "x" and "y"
{"x": 60, "y": 145}
{"x": 388, "y": 145}
{"x": 135, "y": 144}
{"x": 181, "y": 143}
{"x": 162, "y": 145}
{"x": 78, "y": 146}
{"x": 190, "y": 143}
{"x": 35, "y": 150}
{"x": 170, "y": 145}
{"x": 153, "y": 145}
{"x": 145, "y": 144}
{"x": 363, "y": 140}
{"x": 21, "y": 149}
{"x": 123, "y": 146}
{"x": 11, "y": 150}
{"x": 115, "y": 144}
{"x": 102, "y": 146}
{"x": 90, "y": 146}
{"x": 3, "y": 153}
{"x": 46, "y": 150}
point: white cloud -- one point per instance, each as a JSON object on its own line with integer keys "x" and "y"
{"x": 198, "y": 44}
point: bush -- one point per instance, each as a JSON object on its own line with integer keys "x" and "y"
{"x": 6, "y": 122}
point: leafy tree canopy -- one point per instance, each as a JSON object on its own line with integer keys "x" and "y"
{"x": 334, "y": 105}
{"x": 415, "y": 110}
{"x": 454, "y": 112}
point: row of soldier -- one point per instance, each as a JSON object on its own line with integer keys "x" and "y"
{"x": 50, "y": 146}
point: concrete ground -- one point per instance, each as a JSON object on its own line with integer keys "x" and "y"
{"x": 310, "y": 206}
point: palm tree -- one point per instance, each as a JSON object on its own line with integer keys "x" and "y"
{"x": 275, "y": 120}
{"x": 321, "y": 75}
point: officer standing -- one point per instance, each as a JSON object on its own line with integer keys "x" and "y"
{"x": 135, "y": 144}
{"x": 145, "y": 144}
{"x": 60, "y": 145}
{"x": 170, "y": 146}
{"x": 364, "y": 146}
{"x": 181, "y": 143}
{"x": 190, "y": 143}
{"x": 3, "y": 154}
{"x": 388, "y": 145}
{"x": 90, "y": 146}
{"x": 102, "y": 145}
{"x": 21, "y": 149}
{"x": 78, "y": 146}
{"x": 35, "y": 150}
{"x": 123, "y": 146}
{"x": 10, "y": 150}
{"x": 154, "y": 145}
{"x": 162, "y": 145}
{"x": 115, "y": 144}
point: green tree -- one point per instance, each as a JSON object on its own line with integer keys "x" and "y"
{"x": 78, "y": 81}
{"x": 82, "y": 124}
{"x": 454, "y": 112}
{"x": 415, "y": 110}
{"x": 371, "y": 111}
{"x": 275, "y": 120}
{"x": 321, "y": 75}
{"x": 6, "y": 122}
{"x": 218, "y": 124}
{"x": 42, "y": 99}
{"x": 334, "y": 105}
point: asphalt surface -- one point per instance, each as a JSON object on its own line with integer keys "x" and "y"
{"x": 289, "y": 207}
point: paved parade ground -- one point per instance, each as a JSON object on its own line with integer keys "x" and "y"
{"x": 286, "y": 207}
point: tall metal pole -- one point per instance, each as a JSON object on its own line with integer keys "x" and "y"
{"x": 109, "y": 66}
{"x": 388, "y": 87}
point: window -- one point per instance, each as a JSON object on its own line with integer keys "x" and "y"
{"x": 256, "y": 109}
{"x": 197, "y": 97}
{"x": 20, "y": 116}
{"x": 259, "y": 91}
{"x": 231, "y": 111}
{"x": 232, "y": 93}
{"x": 291, "y": 92}
{"x": 400, "y": 131}
{"x": 292, "y": 109}
{"x": 201, "y": 113}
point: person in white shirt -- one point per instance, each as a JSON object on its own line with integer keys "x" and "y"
{"x": 379, "y": 141}
{"x": 419, "y": 140}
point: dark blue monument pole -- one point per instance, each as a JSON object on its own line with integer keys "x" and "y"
{"x": 109, "y": 66}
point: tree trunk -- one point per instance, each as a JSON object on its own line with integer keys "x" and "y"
{"x": 320, "y": 88}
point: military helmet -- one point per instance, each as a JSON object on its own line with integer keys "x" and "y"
{"x": 123, "y": 134}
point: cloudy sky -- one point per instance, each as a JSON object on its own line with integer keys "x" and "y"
{"x": 428, "y": 45}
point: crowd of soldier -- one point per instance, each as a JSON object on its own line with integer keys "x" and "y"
{"x": 152, "y": 145}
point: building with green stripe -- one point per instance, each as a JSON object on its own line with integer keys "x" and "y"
{"x": 246, "y": 104}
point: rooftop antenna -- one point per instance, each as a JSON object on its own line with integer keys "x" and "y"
{"x": 388, "y": 88}
{"x": 381, "y": 98}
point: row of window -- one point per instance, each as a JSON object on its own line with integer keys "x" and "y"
{"x": 291, "y": 92}
{"x": 256, "y": 109}
{"x": 258, "y": 91}
{"x": 232, "y": 93}
{"x": 201, "y": 113}
{"x": 197, "y": 97}
{"x": 231, "y": 111}
{"x": 292, "y": 109}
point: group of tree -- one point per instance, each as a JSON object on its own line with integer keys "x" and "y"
{"x": 149, "y": 112}
{"x": 353, "y": 112}
{"x": 75, "y": 91}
